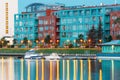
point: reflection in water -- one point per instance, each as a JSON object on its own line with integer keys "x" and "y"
{"x": 100, "y": 71}
{"x": 112, "y": 70}
{"x": 68, "y": 69}
{"x": 89, "y": 69}
{"x": 57, "y": 70}
{"x": 42, "y": 69}
{"x": 34, "y": 69}
{"x": 21, "y": 69}
{"x": 37, "y": 70}
{"x": 51, "y": 71}
{"x": 81, "y": 69}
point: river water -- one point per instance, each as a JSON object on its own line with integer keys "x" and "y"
{"x": 33, "y": 69}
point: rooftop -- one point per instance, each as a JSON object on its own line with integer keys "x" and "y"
{"x": 113, "y": 42}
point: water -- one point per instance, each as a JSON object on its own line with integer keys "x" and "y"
{"x": 33, "y": 69}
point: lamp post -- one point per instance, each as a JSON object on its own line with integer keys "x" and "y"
{"x": 50, "y": 43}
{"x": 21, "y": 42}
{"x": 42, "y": 42}
{"x": 28, "y": 43}
{"x": 89, "y": 42}
{"x": 37, "y": 42}
{"x": 81, "y": 42}
{"x": 57, "y": 42}
{"x": 100, "y": 41}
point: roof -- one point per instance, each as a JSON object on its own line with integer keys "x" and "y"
{"x": 33, "y": 4}
{"x": 113, "y": 42}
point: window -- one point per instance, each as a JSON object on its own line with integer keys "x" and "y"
{"x": 40, "y": 21}
{"x": 46, "y": 27}
{"x": 69, "y": 13}
{"x": 30, "y": 28}
{"x": 16, "y": 23}
{"x": 64, "y": 34}
{"x": 45, "y": 22}
{"x": 100, "y": 11}
{"x": 20, "y": 23}
{"x": 87, "y": 12}
{"x": 41, "y": 29}
{"x": 80, "y": 20}
{"x": 40, "y": 35}
{"x": 63, "y": 28}
{"x": 94, "y": 18}
{"x": 80, "y": 27}
{"x": 74, "y": 27}
{"x": 108, "y": 10}
{"x": 51, "y": 28}
{"x": 114, "y": 17}
{"x": 17, "y": 17}
{"x": 81, "y": 12}
{"x": 75, "y": 13}
{"x": 93, "y": 11}
{"x": 69, "y": 34}
{"x": 87, "y": 20}
{"x": 26, "y": 23}
{"x": 26, "y": 29}
{"x": 75, "y": 34}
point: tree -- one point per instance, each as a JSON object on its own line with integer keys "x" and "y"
{"x": 92, "y": 35}
{"x": 47, "y": 39}
{"x": 108, "y": 38}
{"x": 99, "y": 30}
{"x": 14, "y": 41}
{"x": 118, "y": 37}
{"x": 25, "y": 41}
{"x": 80, "y": 37}
{"x": 4, "y": 42}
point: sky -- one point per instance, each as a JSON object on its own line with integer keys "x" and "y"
{"x": 23, "y": 3}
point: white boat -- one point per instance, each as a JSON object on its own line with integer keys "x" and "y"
{"x": 53, "y": 56}
{"x": 30, "y": 54}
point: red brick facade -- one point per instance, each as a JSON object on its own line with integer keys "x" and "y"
{"x": 48, "y": 26}
{"x": 114, "y": 28}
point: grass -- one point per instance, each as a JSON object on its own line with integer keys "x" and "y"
{"x": 55, "y": 50}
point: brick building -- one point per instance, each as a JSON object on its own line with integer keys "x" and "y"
{"x": 48, "y": 25}
{"x": 114, "y": 27}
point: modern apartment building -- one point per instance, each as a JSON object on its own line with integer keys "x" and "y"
{"x": 114, "y": 27}
{"x": 26, "y": 23}
{"x": 7, "y": 11}
{"x": 62, "y": 23}
{"x": 80, "y": 20}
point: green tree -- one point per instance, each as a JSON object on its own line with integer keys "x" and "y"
{"x": 25, "y": 41}
{"x": 80, "y": 37}
{"x": 47, "y": 39}
{"x": 118, "y": 37}
{"x": 108, "y": 38}
{"x": 4, "y": 42}
{"x": 92, "y": 35}
{"x": 99, "y": 30}
{"x": 15, "y": 41}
